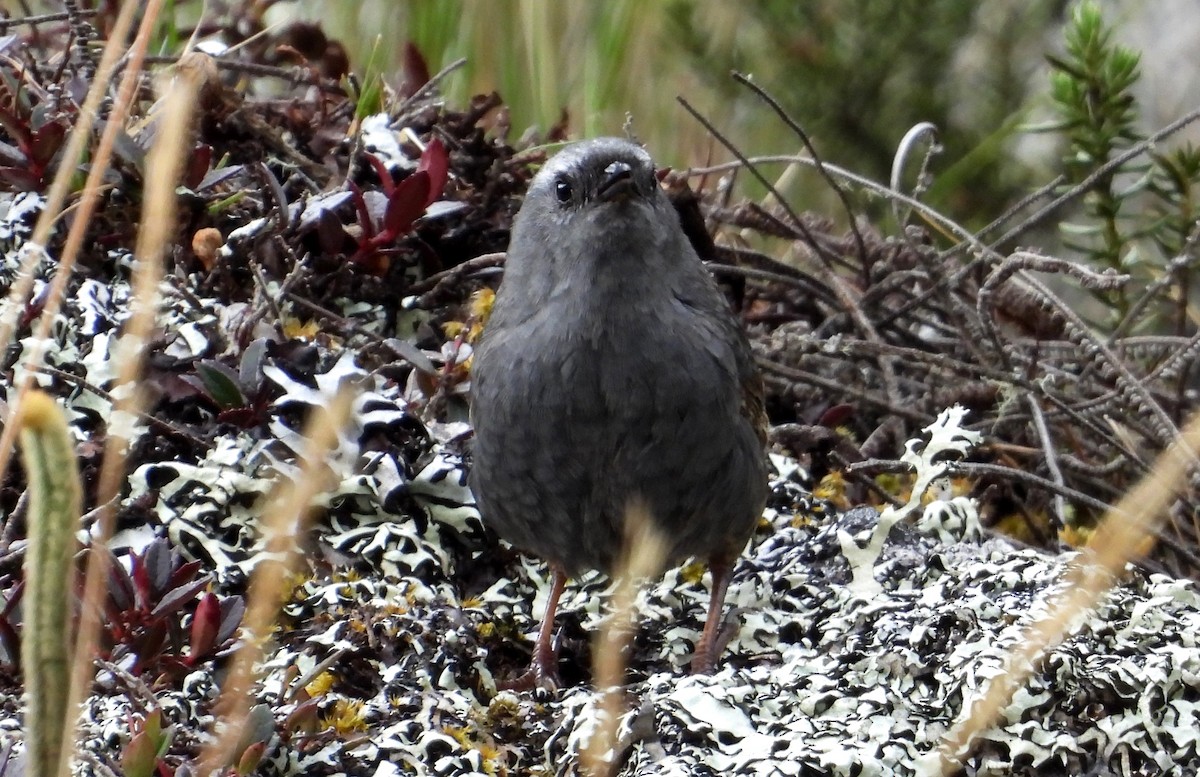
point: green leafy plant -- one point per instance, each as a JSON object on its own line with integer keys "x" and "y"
{"x": 142, "y": 756}
{"x": 369, "y": 92}
{"x": 1138, "y": 216}
{"x": 1092, "y": 89}
{"x": 1175, "y": 187}
{"x": 241, "y": 395}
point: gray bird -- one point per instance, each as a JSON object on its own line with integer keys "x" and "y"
{"x": 612, "y": 372}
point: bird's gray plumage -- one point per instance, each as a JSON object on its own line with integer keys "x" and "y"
{"x": 611, "y": 369}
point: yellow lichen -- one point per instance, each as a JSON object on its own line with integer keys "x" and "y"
{"x": 320, "y": 685}
{"x": 832, "y": 488}
{"x": 346, "y": 717}
{"x": 295, "y": 329}
{"x": 693, "y": 572}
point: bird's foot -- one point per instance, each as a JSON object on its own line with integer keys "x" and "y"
{"x": 710, "y": 648}
{"x": 703, "y": 661}
{"x": 542, "y": 672}
{"x": 534, "y": 678}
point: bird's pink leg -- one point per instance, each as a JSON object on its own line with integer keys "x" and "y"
{"x": 705, "y": 658}
{"x": 543, "y": 668}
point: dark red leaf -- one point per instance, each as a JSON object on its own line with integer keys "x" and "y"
{"x": 175, "y": 599}
{"x": 33, "y": 309}
{"x": 121, "y": 595}
{"x": 45, "y": 144}
{"x": 241, "y": 417}
{"x": 197, "y": 166}
{"x": 183, "y": 573}
{"x": 436, "y": 161}
{"x": 206, "y": 624}
{"x": 19, "y": 180}
{"x": 148, "y": 650}
{"x": 232, "y": 610}
{"x": 416, "y": 70}
{"x": 143, "y": 590}
{"x": 385, "y": 175}
{"x": 180, "y": 388}
{"x": 836, "y": 415}
{"x": 360, "y": 207}
{"x": 331, "y": 235}
{"x": 405, "y": 205}
{"x": 159, "y": 565}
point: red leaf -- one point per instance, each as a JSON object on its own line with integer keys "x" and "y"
{"x": 250, "y": 758}
{"x": 159, "y": 564}
{"x": 17, "y": 179}
{"x": 416, "y": 70}
{"x": 360, "y": 207}
{"x": 142, "y": 587}
{"x": 835, "y": 415}
{"x": 174, "y": 600}
{"x": 184, "y": 573}
{"x": 120, "y": 584}
{"x": 196, "y": 166}
{"x": 405, "y": 205}
{"x": 45, "y": 143}
{"x": 436, "y": 162}
{"x": 232, "y": 610}
{"x": 385, "y": 176}
{"x": 205, "y": 625}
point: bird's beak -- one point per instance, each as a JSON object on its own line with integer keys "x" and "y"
{"x": 617, "y": 182}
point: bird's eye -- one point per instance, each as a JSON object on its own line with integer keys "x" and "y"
{"x": 562, "y": 190}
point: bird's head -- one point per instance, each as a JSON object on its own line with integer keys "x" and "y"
{"x": 593, "y": 212}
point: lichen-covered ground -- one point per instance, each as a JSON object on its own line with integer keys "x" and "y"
{"x": 412, "y": 610}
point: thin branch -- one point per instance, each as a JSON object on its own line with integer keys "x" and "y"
{"x": 816, "y": 158}
{"x": 46, "y": 17}
{"x": 1048, "y": 455}
{"x": 150, "y": 420}
{"x": 430, "y": 85}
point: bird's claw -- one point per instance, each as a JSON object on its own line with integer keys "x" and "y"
{"x": 542, "y": 673}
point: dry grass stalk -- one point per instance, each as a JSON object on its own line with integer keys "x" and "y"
{"x": 644, "y": 554}
{"x": 285, "y": 522}
{"x": 57, "y": 194}
{"x": 165, "y": 166}
{"x": 1125, "y": 532}
{"x": 35, "y": 251}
